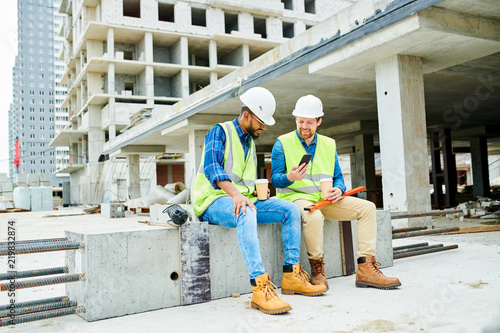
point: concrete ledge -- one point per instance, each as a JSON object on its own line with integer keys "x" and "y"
{"x": 125, "y": 272}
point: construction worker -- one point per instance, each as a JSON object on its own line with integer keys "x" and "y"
{"x": 224, "y": 194}
{"x": 300, "y": 184}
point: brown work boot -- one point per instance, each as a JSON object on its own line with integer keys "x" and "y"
{"x": 297, "y": 282}
{"x": 318, "y": 272}
{"x": 368, "y": 275}
{"x": 264, "y": 297}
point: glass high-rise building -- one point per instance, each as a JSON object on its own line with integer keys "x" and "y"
{"x": 35, "y": 106}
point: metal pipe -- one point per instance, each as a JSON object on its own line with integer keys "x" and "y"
{"x": 33, "y": 273}
{"x": 397, "y": 248}
{"x": 416, "y": 253}
{"x": 41, "y": 282}
{"x": 404, "y": 215}
{"x": 399, "y": 230}
{"x": 41, "y": 315}
{"x": 33, "y": 248}
{"x": 36, "y": 308}
{"x": 418, "y": 248}
{"x": 36, "y": 302}
{"x": 423, "y": 232}
{"x": 31, "y": 241}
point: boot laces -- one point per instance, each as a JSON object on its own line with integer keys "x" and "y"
{"x": 303, "y": 275}
{"x": 269, "y": 290}
{"x": 318, "y": 267}
{"x": 375, "y": 267}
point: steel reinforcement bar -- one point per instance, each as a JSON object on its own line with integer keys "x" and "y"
{"x": 405, "y": 215}
{"x": 41, "y": 282}
{"x": 41, "y": 247}
{"x": 36, "y": 308}
{"x": 397, "y": 248}
{"x": 416, "y": 253}
{"x": 31, "y": 241}
{"x": 36, "y": 302}
{"x": 418, "y": 248}
{"x": 423, "y": 232}
{"x": 41, "y": 315}
{"x": 33, "y": 273}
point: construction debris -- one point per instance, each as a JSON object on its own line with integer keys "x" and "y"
{"x": 138, "y": 117}
{"x": 88, "y": 209}
{"x": 484, "y": 208}
{"x": 423, "y": 232}
{"x": 473, "y": 229}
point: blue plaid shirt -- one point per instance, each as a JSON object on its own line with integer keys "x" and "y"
{"x": 278, "y": 175}
{"x": 215, "y": 141}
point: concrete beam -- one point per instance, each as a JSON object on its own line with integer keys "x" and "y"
{"x": 443, "y": 38}
{"x": 150, "y": 150}
{"x": 351, "y": 129}
{"x": 196, "y": 122}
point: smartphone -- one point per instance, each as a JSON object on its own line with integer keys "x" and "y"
{"x": 305, "y": 159}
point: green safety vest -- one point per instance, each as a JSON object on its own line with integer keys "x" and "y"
{"x": 321, "y": 166}
{"x": 242, "y": 171}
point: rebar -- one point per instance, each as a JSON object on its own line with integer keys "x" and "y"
{"x": 397, "y": 248}
{"x": 41, "y": 315}
{"x": 418, "y": 248}
{"x": 31, "y": 241}
{"x": 36, "y": 302}
{"x": 400, "y": 230}
{"x": 41, "y": 282}
{"x": 404, "y": 215}
{"x": 416, "y": 253}
{"x": 36, "y": 308}
{"x": 33, "y": 273}
{"x": 423, "y": 232}
{"x": 41, "y": 247}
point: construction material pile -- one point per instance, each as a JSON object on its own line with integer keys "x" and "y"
{"x": 484, "y": 208}
{"x": 175, "y": 193}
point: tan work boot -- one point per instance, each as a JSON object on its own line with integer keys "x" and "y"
{"x": 368, "y": 275}
{"x": 297, "y": 282}
{"x": 265, "y": 299}
{"x": 318, "y": 272}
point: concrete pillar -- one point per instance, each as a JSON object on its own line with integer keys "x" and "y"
{"x": 134, "y": 176}
{"x": 196, "y": 142}
{"x": 246, "y": 54}
{"x": 145, "y": 48}
{"x": 112, "y": 132}
{"x": 111, "y": 43}
{"x": 403, "y": 136}
{"x": 180, "y": 51}
{"x": 480, "y": 172}
{"x": 150, "y": 86}
{"x": 363, "y": 173}
{"x": 212, "y": 54}
{"x": 111, "y": 79}
{"x": 180, "y": 84}
{"x": 213, "y": 77}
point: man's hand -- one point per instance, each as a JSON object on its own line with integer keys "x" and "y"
{"x": 240, "y": 201}
{"x": 334, "y": 194}
{"x": 297, "y": 172}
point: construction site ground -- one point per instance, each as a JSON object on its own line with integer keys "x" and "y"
{"x": 450, "y": 291}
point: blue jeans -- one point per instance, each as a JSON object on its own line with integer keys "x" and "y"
{"x": 220, "y": 212}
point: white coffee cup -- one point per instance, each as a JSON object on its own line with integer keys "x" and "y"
{"x": 261, "y": 185}
{"x": 326, "y": 184}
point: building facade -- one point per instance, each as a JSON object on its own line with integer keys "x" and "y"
{"x": 131, "y": 59}
{"x": 32, "y": 112}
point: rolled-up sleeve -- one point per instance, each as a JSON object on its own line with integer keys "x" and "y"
{"x": 213, "y": 163}
{"x": 278, "y": 175}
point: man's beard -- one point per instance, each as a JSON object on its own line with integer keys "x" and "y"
{"x": 251, "y": 132}
{"x": 310, "y": 135}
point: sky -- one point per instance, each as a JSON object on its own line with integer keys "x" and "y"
{"x": 8, "y": 51}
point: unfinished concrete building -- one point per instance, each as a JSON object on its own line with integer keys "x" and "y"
{"x": 140, "y": 57}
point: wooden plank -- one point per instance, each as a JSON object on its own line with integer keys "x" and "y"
{"x": 195, "y": 263}
{"x": 474, "y": 229}
{"x": 348, "y": 266}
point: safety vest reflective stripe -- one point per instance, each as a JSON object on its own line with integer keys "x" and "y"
{"x": 321, "y": 166}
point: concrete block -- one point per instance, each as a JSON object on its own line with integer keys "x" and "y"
{"x": 22, "y": 197}
{"x": 6, "y": 187}
{"x": 383, "y": 249}
{"x": 6, "y": 204}
{"x": 36, "y": 199}
{"x": 3, "y": 177}
{"x": 112, "y": 210}
{"x": 47, "y": 201}
{"x": 125, "y": 272}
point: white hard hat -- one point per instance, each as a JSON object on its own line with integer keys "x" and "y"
{"x": 261, "y": 102}
{"x": 309, "y": 107}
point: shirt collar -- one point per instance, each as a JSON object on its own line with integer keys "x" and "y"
{"x": 313, "y": 142}
{"x": 241, "y": 133}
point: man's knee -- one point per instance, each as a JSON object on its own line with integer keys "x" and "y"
{"x": 313, "y": 219}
